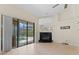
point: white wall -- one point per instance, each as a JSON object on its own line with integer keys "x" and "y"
{"x": 68, "y": 17}
{"x": 7, "y": 33}
{"x": 45, "y": 24}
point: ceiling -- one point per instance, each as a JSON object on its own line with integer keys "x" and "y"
{"x": 41, "y": 10}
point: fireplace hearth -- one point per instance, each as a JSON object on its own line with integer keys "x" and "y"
{"x": 45, "y": 37}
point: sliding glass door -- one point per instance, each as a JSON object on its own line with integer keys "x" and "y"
{"x": 25, "y": 33}
{"x": 22, "y": 33}
{"x": 30, "y": 32}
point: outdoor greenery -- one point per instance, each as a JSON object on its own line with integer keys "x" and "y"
{"x": 24, "y": 33}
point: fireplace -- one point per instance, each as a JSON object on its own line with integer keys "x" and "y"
{"x": 45, "y": 37}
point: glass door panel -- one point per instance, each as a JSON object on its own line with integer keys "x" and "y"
{"x": 30, "y": 32}
{"x": 22, "y": 40}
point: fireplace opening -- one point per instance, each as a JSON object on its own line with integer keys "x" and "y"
{"x": 45, "y": 37}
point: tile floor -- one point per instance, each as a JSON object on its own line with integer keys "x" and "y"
{"x": 44, "y": 49}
